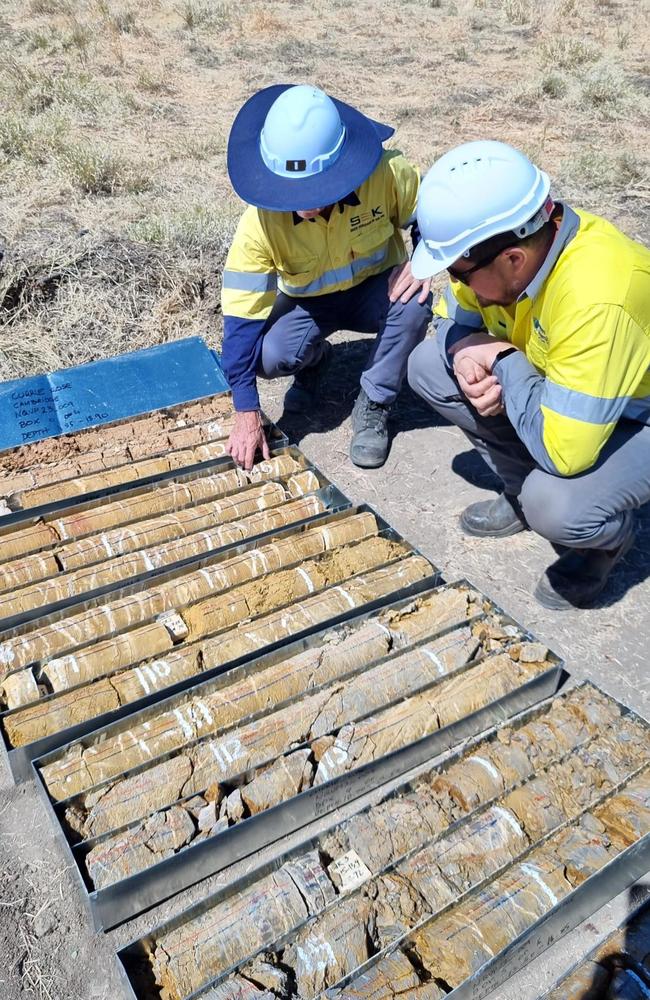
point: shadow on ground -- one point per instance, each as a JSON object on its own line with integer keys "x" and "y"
{"x": 619, "y": 969}
{"x": 338, "y": 395}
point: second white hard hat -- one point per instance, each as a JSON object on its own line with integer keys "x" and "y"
{"x": 473, "y": 192}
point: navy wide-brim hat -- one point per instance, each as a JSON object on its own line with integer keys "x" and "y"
{"x": 259, "y": 186}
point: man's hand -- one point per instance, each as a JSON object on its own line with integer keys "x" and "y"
{"x": 403, "y": 286}
{"x": 482, "y": 348}
{"x": 246, "y": 437}
{"x": 481, "y": 389}
{"x": 474, "y": 358}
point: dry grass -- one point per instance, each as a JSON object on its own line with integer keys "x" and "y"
{"x": 98, "y": 294}
{"x": 114, "y": 117}
{"x": 97, "y": 170}
{"x": 208, "y": 14}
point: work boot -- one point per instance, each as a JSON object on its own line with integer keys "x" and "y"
{"x": 577, "y": 578}
{"x": 493, "y": 518}
{"x": 301, "y": 393}
{"x": 369, "y": 444}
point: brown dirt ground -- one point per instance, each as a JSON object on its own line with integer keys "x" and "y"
{"x": 116, "y": 211}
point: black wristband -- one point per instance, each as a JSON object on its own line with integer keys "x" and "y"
{"x": 503, "y": 354}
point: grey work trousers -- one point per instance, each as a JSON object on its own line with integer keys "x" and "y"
{"x": 592, "y": 510}
{"x": 297, "y": 328}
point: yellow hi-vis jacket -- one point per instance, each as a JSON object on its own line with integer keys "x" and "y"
{"x": 274, "y": 251}
{"x": 583, "y": 327}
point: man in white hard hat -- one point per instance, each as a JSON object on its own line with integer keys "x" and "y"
{"x": 542, "y": 358}
{"x": 318, "y": 249}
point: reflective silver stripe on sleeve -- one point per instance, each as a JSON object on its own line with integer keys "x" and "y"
{"x": 581, "y": 406}
{"x": 250, "y": 281}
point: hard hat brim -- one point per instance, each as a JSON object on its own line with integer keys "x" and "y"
{"x": 259, "y": 186}
{"x": 425, "y": 265}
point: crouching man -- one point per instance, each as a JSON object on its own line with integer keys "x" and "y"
{"x": 318, "y": 249}
{"x": 541, "y": 357}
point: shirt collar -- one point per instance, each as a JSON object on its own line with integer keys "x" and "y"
{"x": 567, "y": 230}
{"x": 350, "y": 199}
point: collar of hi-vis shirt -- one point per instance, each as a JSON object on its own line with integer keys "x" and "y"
{"x": 351, "y": 199}
{"x": 566, "y": 231}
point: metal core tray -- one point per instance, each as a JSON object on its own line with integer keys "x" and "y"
{"x": 121, "y": 900}
{"x": 622, "y": 871}
{"x": 19, "y": 758}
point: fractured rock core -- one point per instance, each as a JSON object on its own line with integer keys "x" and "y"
{"x": 346, "y": 928}
{"x": 344, "y": 650}
{"x": 94, "y": 449}
{"x": 256, "y": 743}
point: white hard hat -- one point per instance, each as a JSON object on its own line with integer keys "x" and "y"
{"x": 473, "y": 192}
{"x": 303, "y": 127}
{"x": 294, "y": 148}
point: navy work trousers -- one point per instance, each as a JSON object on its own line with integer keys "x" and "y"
{"x": 297, "y": 329}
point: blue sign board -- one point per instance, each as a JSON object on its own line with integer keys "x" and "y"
{"x": 103, "y": 391}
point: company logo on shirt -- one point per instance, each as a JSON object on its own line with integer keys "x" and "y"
{"x": 540, "y": 331}
{"x": 363, "y": 219}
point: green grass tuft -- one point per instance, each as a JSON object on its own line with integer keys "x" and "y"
{"x": 605, "y": 87}
{"x": 95, "y": 170}
{"x": 564, "y": 52}
{"x": 206, "y": 14}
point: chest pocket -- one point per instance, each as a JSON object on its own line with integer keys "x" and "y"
{"x": 298, "y": 271}
{"x": 371, "y": 238}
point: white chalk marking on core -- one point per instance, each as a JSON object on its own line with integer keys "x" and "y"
{"x": 317, "y": 954}
{"x": 509, "y": 818}
{"x": 347, "y": 596}
{"x": 188, "y": 732}
{"x": 107, "y": 548}
{"x": 140, "y": 676}
{"x": 307, "y": 579}
{"x": 205, "y": 712}
{"x": 534, "y": 874}
{"x": 327, "y": 538}
{"x": 143, "y": 746}
{"x": 435, "y": 660}
{"x": 489, "y": 767}
{"x": 256, "y": 554}
{"x": 207, "y": 538}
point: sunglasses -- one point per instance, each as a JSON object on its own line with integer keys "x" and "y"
{"x": 462, "y": 276}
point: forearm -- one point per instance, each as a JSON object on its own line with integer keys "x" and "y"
{"x": 240, "y": 354}
{"x": 451, "y": 332}
{"x": 522, "y": 392}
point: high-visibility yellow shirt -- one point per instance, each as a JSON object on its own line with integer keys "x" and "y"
{"x": 583, "y": 327}
{"x": 300, "y": 257}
